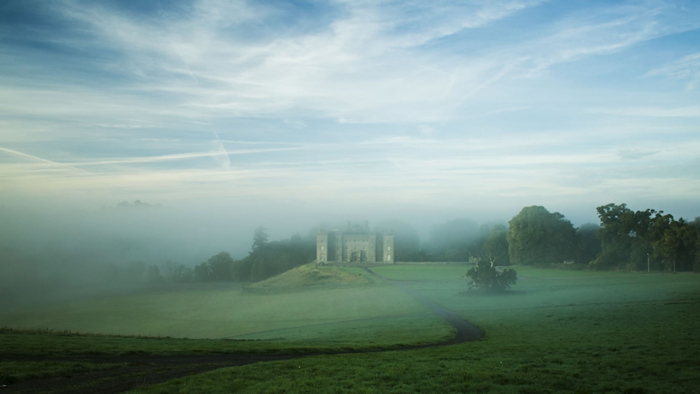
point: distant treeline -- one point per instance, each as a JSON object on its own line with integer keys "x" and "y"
{"x": 265, "y": 260}
{"x": 624, "y": 239}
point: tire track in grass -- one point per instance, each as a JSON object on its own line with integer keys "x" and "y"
{"x": 466, "y": 332}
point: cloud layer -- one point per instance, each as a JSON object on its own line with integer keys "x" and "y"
{"x": 351, "y": 102}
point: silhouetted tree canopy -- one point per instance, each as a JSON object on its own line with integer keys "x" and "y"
{"x": 496, "y": 245}
{"x": 646, "y": 239}
{"x": 537, "y": 236}
{"x": 268, "y": 259}
{"x": 259, "y": 238}
{"x": 587, "y": 243}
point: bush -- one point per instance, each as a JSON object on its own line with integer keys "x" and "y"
{"x": 484, "y": 275}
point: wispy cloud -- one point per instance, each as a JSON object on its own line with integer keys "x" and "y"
{"x": 686, "y": 69}
{"x": 352, "y": 98}
{"x": 42, "y": 160}
{"x": 685, "y": 112}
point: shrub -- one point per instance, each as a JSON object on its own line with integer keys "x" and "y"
{"x": 484, "y": 275}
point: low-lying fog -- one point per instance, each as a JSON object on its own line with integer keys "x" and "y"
{"x": 53, "y": 252}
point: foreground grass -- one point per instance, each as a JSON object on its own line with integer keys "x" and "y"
{"x": 579, "y": 333}
{"x": 218, "y": 313}
{"x": 12, "y": 372}
{"x": 318, "y": 319}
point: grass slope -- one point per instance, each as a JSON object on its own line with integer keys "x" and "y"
{"x": 310, "y": 275}
{"x": 422, "y": 272}
{"x": 338, "y": 314}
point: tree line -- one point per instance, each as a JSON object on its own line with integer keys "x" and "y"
{"x": 266, "y": 259}
{"x": 624, "y": 239}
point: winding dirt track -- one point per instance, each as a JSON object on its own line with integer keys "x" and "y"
{"x": 146, "y": 370}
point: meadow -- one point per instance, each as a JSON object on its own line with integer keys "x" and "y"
{"x": 323, "y": 316}
{"x": 554, "y": 331}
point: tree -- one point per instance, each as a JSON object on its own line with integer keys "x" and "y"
{"x": 496, "y": 245}
{"x": 220, "y": 266}
{"x": 696, "y": 265}
{"x": 259, "y": 238}
{"x": 677, "y": 246}
{"x": 536, "y": 236}
{"x": 268, "y": 259}
{"x": 176, "y": 273}
{"x": 614, "y": 235}
{"x": 588, "y": 244}
{"x": 485, "y": 276}
{"x": 645, "y": 238}
{"x": 153, "y": 274}
{"x": 202, "y": 272}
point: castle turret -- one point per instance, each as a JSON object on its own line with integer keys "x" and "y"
{"x": 322, "y": 247}
{"x": 388, "y": 249}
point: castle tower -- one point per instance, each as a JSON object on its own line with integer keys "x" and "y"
{"x": 338, "y": 246}
{"x": 372, "y": 247}
{"x": 388, "y": 249}
{"x": 322, "y": 247}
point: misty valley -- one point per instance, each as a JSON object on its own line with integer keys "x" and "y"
{"x": 585, "y": 307}
{"x": 333, "y": 196}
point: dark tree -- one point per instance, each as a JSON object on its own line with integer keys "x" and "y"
{"x": 484, "y": 275}
{"x": 536, "y": 236}
{"x": 588, "y": 244}
{"x": 496, "y": 245}
{"x": 202, "y": 272}
{"x": 259, "y": 238}
{"x": 268, "y": 259}
{"x": 677, "y": 246}
{"x": 153, "y": 274}
{"x": 220, "y": 266}
{"x": 641, "y": 239}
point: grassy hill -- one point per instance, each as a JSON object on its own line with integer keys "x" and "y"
{"x": 310, "y": 275}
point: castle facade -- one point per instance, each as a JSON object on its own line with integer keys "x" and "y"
{"x": 355, "y": 244}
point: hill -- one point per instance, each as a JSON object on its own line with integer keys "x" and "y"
{"x": 310, "y": 275}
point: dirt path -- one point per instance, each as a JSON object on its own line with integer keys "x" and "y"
{"x": 145, "y": 370}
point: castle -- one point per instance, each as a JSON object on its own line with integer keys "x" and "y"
{"x": 357, "y": 244}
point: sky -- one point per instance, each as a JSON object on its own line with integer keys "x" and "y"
{"x": 305, "y": 111}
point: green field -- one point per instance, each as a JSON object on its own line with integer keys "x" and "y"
{"x": 326, "y": 315}
{"x": 555, "y": 331}
{"x": 422, "y": 272}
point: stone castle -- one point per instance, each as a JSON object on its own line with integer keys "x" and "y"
{"x": 356, "y": 244}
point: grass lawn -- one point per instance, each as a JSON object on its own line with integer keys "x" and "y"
{"x": 422, "y": 272}
{"x": 315, "y": 319}
{"x": 19, "y": 371}
{"x": 217, "y": 314}
{"x": 602, "y": 333}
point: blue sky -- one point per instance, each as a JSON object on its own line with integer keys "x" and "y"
{"x": 448, "y": 108}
